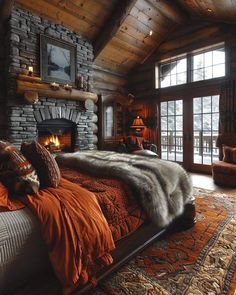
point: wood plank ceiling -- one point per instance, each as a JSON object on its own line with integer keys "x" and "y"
{"x": 211, "y": 10}
{"x": 120, "y": 30}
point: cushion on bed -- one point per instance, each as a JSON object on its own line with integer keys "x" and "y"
{"x": 16, "y": 172}
{"x": 44, "y": 163}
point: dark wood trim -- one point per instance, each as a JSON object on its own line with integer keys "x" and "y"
{"x": 110, "y": 28}
{"x": 5, "y": 9}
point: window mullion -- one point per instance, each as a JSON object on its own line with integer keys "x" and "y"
{"x": 189, "y": 68}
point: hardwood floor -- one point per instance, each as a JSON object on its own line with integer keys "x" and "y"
{"x": 206, "y": 181}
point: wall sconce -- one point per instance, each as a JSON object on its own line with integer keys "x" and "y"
{"x": 138, "y": 124}
{"x": 30, "y": 70}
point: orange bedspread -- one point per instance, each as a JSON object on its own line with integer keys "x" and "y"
{"x": 75, "y": 231}
{"x": 79, "y": 225}
{"x": 122, "y": 211}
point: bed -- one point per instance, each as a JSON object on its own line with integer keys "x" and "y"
{"x": 139, "y": 197}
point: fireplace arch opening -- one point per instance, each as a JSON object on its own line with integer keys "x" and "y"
{"x": 57, "y": 135}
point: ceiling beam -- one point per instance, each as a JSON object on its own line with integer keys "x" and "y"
{"x": 5, "y": 9}
{"x": 118, "y": 15}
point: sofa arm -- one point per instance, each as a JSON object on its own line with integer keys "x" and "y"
{"x": 150, "y": 146}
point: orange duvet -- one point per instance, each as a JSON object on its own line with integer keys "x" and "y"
{"x": 75, "y": 231}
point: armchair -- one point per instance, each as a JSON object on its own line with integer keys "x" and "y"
{"x": 134, "y": 144}
{"x": 224, "y": 170}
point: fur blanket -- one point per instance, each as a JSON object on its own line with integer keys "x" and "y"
{"x": 162, "y": 187}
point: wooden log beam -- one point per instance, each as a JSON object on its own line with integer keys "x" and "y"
{"x": 43, "y": 89}
{"x": 5, "y": 9}
{"x": 110, "y": 28}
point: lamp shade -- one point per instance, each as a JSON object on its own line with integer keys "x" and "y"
{"x": 138, "y": 123}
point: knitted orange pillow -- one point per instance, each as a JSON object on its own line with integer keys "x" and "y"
{"x": 44, "y": 163}
{"x": 16, "y": 173}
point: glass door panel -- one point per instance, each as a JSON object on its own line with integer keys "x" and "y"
{"x": 171, "y": 118}
{"x": 205, "y": 129}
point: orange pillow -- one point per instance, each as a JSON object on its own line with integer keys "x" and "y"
{"x": 229, "y": 154}
{"x": 44, "y": 163}
{"x": 16, "y": 173}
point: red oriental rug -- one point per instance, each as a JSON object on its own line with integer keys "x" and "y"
{"x": 197, "y": 261}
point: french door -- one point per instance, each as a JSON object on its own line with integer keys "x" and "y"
{"x": 171, "y": 114}
{"x": 189, "y": 130}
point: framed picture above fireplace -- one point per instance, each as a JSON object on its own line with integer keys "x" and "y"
{"x": 57, "y": 61}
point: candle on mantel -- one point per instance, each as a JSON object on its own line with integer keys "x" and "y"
{"x": 54, "y": 85}
{"x": 67, "y": 87}
{"x": 30, "y": 70}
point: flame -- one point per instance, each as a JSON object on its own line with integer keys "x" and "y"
{"x": 52, "y": 139}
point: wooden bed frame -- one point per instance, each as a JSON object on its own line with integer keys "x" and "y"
{"x": 129, "y": 246}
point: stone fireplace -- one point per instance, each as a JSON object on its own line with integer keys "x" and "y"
{"x": 70, "y": 120}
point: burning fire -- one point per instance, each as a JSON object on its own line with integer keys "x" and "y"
{"x": 53, "y": 139}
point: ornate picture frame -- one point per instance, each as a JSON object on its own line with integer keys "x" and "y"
{"x": 57, "y": 61}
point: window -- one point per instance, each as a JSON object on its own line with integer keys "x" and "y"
{"x": 207, "y": 64}
{"x": 173, "y": 73}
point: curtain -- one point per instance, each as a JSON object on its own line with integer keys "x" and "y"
{"x": 227, "y": 108}
{"x": 150, "y": 114}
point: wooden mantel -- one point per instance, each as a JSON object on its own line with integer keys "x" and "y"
{"x": 34, "y": 87}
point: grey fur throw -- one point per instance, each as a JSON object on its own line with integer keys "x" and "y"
{"x": 162, "y": 187}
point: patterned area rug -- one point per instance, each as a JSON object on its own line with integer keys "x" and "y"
{"x": 198, "y": 261}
